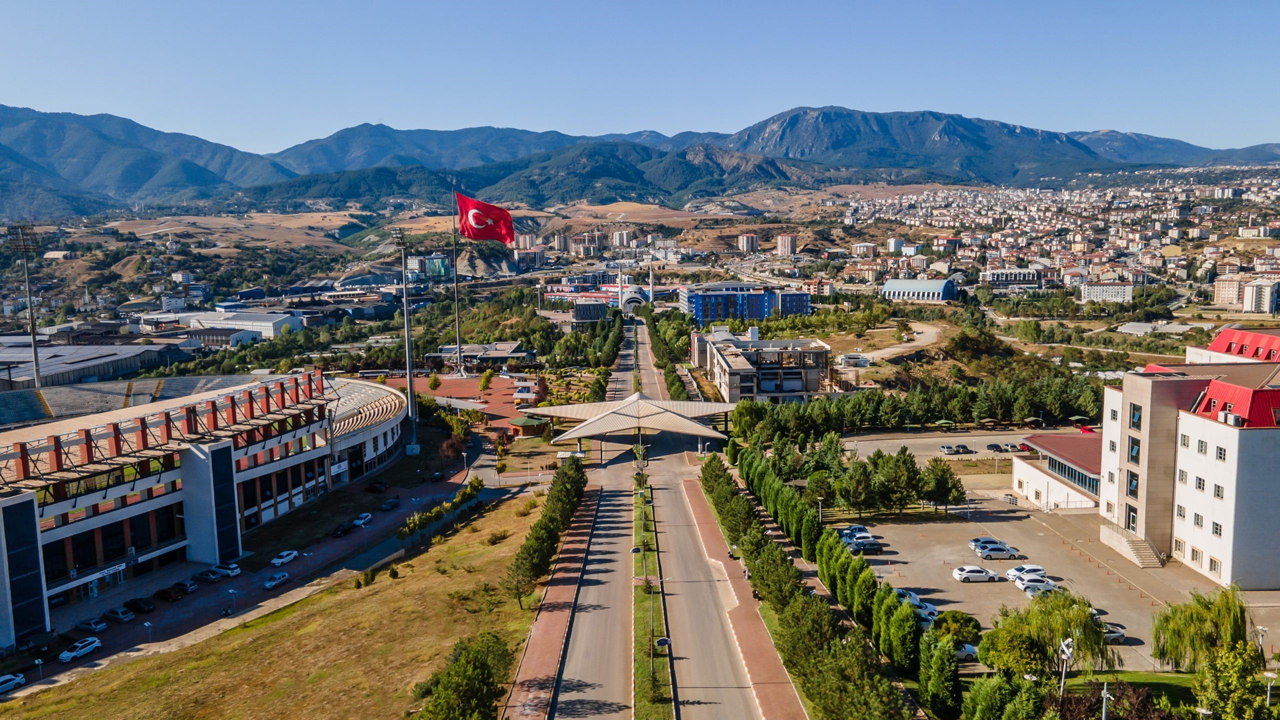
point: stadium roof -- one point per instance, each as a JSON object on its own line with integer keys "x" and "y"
{"x": 636, "y": 412}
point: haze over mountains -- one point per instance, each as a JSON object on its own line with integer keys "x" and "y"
{"x": 60, "y": 164}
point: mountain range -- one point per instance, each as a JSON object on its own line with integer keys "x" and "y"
{"x": 61, "y": 164}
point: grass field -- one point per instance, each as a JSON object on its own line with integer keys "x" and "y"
{"x": 653, "y": 698}
{"x": 342, "y": 653}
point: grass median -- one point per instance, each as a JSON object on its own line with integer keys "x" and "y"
{"x": 652, "y": 672}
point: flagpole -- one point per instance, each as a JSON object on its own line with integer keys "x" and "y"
{"x": 460, "y": 371}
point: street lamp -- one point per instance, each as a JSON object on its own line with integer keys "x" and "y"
{"x": 23, "y": 240}
{"x": 397, "y": 239}
{"x": 1203, "y": 712}
{"x": 820, "y": 511}
{"x": 1105, "y": 697}
{"x": 1271, "y": 680}
{"x": 232, "y": 592}
{"x": 40, "y": 667}
{"x": 307, "y": 555}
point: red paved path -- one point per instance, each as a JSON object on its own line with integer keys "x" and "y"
{"x": 775, "y": 695}
{"x": 535, "y": 680}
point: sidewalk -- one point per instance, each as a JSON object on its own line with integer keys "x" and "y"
{"x": 770, "y": 683}
{"x": 535, "y": 681}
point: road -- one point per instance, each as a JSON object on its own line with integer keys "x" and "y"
{"x": 925, "y": 445}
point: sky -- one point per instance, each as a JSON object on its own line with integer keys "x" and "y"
{"x": 262, "y": 76}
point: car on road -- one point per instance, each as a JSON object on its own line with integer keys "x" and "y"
{"x": 140, "y": 605}
{"x": 118, "y": 614}
{"x": 974, "y": 543}
{"x": 284, "y": 558}
{"x": 966, "y": 652}
{"x": 973, "y": 573}
{"x": 79, "y": 649}
{"x": 377, "y": 486}
{"x": 1025, "y": 581}
{"x": 170, "y": 594}
{"x": 93, "y": 625}
{"x": 995, "y": 447}
{"x": 186, "y": 586}
{"x": 207, "y": 576}
{"x": 1011, "y": 447}
{"x": 390, "y": 504}
{"x": 275, "y": 581}
{"x": 963, "y": 450}
{"x": 1112, "y": 634}
{"x": 867, "y": 547}
{"x": 948, "y": 450}
{"x": 1016, "y": 572}
{"x": 362, "y": 520}
{"x": 343, "y": 530}
{"x": 227, "y": 570}
{"x": 9, "y": 683}
{"x": 999, "y": 552}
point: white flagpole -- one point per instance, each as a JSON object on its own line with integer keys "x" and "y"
{"x": 459, "y": 371}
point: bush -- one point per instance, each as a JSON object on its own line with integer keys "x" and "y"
{"x": 393, "y": 573}
{"x": 987, "y": 698}
{"x": 864, "y": 593}
{"x": 963, "y": 627}
{"x": 486, "y": 378}
{"x": 501, "y": 467}
{"x": 944, "y": 680}
{"x": 904, "y": 638}
{"x": 497, "y": 536}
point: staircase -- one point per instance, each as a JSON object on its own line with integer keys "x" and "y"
{"x": 1128, "y": 543}
{"x": 1143, "y": 554}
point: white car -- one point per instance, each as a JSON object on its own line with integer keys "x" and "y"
{"x": 9, "y": 683}
{"x": 852, "y": 529}
{"x": 275, "y": 581}
{"x": 948, "y": 450}
{"x": 284, "y": 558}
{"x": 1017, "y": 572}
{"x": 906, "y": 595}
{"x": 1036, "y": 591}
{"x": 965, "y": 651}
{"x": 973, "y": 573}
{"x": 861, "y": 537}
{"x": 1113, "y": 634}
{"x": 974, "y": 543}
{"x": 923, "y": 608}
{"x": 1039, "y": 581}
{"x": 362, "y": 520}
{"x": 79, "y": 649}
{"x": 998, "y": 552}
{"x": 227, "y": 570}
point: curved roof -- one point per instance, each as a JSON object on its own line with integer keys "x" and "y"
{"x": 636, "y": 412}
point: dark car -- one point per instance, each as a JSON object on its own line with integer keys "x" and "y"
{"x": 376, "y": 486}
{"x": 868, "y": 547}
{"x": 995, "y": 447}
{"x": 140, "y": 605}
{"x": 391, "y": 504}
{"x": 207, "y": 576}
{"x": 963, "y": 450}
{"x": 170, "y": 594}
{"x": 342, "y": 530}
{"x": 437, "y": 476}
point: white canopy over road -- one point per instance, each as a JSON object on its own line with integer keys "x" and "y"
{"x": 637, "y": 412}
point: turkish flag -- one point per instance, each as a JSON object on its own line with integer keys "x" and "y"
{"x": 482, "y": 221}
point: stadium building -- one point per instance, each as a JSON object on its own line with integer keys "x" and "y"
{"x": 92, "y": 502}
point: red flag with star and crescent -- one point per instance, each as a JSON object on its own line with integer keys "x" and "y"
{"x": 482, "y": 221}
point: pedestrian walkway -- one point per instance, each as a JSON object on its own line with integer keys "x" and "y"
{"x": 535, "y": 682}
{"x": 775, "y": 695}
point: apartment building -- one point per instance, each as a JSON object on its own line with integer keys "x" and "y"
{"x": 744, "y": 367}
{"x": 1228, "y": 290}
{"x": 786, "y": 245}
{"x": 749, "y": 243}
{"x": 1012, "y": 278}
{"x": 1261, "y": 296}
{"x": 1116, "y": 292}
{"x": 711, "y": 302}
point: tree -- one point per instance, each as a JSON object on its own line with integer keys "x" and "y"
{"x": 809, "y": 534}
{"x": 486, "y": 378}
{"x": 1053, "y": 616}
{"x": 987, "y": 698}
{"x": 470, "y": 685}
{"x": 944, "y": 680}
{"x": 1185, "y": 635}
{"x": 433, "y": 382}
{"x": 885, "y": 603}
{"x": 904, "y": 638}
{"x": 928, "y": 642}
{"x": 731, "y": 450}
{"x": 1228, "y": 683}
{"x": 864, "y": 594}
{"x": 941, "y": 484}
{"x": 808, "y": 628}
{"x": 1013, "y": 653}
{"x": 964, "y": 628}
{"x": 519, "y": 580}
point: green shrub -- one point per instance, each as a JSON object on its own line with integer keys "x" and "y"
{"x": 393, "y": 573}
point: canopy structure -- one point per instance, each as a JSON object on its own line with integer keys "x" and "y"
{"x": 637, "y": 412}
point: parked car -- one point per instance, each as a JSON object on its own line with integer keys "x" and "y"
{"x": 186, "y": 586}
{"x": 390, "y": 504}
{"x": 862, "y": 537}
{"x": 93, "y": 625}
{"x": 118, "y": 614}
{"x": 1113, "y": 634}
{"x": 1035, "y": 591}
{"x": 993, "y": 544}
{"x": 906, "y": 595}
{"x": 284, "y": 558}
{"x": 1025, "y": 581}
{"x": 948, "y": 450}
{"x": 140, "y": 605}
{"x": 362, "y": 520}
{"x": 995, "y": 447}
{"x": 963, "y": 450}
{"x": 207, "y": 576}
{"x": 966, "y": 652}
{"x": 1017, "y": 572}
{"x": 342, "y": 530}
{"x": 867, "y": 547}
{"x": 227, "y": 570}
{"x": 79, "y": 649}
{"x": 170, "y": 594}
{"x": 999, "y": 552}
{"x": 9, "y": 683}
{"x": 437, "y": 476}
{"x": 275, "y": 581}
{"x": 1025, "y": 447}
{"x": 853, "y": 530}
{"x": 923, "y": 608}
{"x": 974, "y": 543}
{"x": 973, "y": 573}
{"x": 377, "y": 486}
{"x": 1011, "y": 447}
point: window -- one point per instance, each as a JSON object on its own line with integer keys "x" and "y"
{"x": 1213, "y": 405}
{"x": 1222, "y": 453}
{"x": 1182, "y": 512}
{"x": 1178, "y": 547}
{"x": 1037, "y": 495}
{"x": 1229, "y": 407}
{"x": 1113, "y": 446}
{"x": 1199, "y": 483}
{"x": 1111, "y": 477}
{"x": 1135, "y": 416}
{"x": 1219, "y": 491}
{"x": 1115, "y": 414}
{"x": 1198, "y": 520}
{"x": 1216, "y": 529}
{"x": 1202, "y": 447}
{"x": 1215, "y": 567}
{"x": 1135, "y": 450}
{"x": 1185, "y": 441}
{"x": 1111, "y": 508}
{"x": 1182, "y": 476}
{"x": 1132, "y": 490}
{"x": 1195, "y": 556}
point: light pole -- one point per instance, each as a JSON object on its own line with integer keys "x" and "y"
{"x": 1262, "y": 634}
{"x": 40, "y": 667}
{"x": 1271, "y": 680}
{"x": 1105, "y": 697}
{"x": 1204, "y": 712}
{"x": 820, "y": 512}
{"x": 397, "y": 238}
{"x": 232, "y": 592}
{"x": 22, "y": 239}
{"x": 147, "y": 625}
{"x": 307, "y": 555}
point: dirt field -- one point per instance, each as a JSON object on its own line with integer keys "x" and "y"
{"x": 298, "y": 230}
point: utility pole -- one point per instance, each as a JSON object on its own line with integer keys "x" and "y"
{"x": 397, "y": 238}
{"x": 22, "y": 239}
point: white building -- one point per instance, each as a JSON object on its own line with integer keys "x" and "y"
{"x": 748, "y": 243}
{"x": 183, "y": 277}
{"x": 270, "y": 325}
{"x": 786, "y": 245}
{"x": 1116, "y": 292}
{"x": 1260, "y": 296}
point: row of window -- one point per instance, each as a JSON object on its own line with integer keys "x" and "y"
{"x": 1202, "y": 447}
{"x": 1198, "y": 520}
{"x": 1197, "y": 557}
{"x": 1219, "y": 492}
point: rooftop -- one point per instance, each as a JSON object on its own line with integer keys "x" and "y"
{"x": 1083, "y": 451}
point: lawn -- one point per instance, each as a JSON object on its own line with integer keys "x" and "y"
{"x": 341, "y": 653}
{"x": 1177, "y": 686}
{"x": 653, "y": 697}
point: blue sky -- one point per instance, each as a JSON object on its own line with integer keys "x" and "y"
{"x": 265, "y": 75}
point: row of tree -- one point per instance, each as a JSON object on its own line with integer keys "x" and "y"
{"x": 832, "y": 663}
{"x": 533, "y": 560}
{"x": 470, "y": 685}
{"x": 675, "y": 385}
{"x": 669, "y": 334}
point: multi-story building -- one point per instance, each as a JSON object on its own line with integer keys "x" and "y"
{"x": 1116, "y": 292}
{"x": 748, "y": 243}
{"x": 95, "y": 502}
{"x": 786, "y": 245}
{"x": 711, "y": 302}
{"x": 1012, "y": 278}
{"x": 1228, "y": 290}
{"x": 1236, "y": 345}
{"x": 744, "y": 367}
{"x": 585, "y": 312}
{"x": 920, "y": 290}
{"x": 1260, "y": 296}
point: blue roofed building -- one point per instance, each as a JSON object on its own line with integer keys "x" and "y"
{"x": 934, "y": 290}
{"x": 713, "y": 302}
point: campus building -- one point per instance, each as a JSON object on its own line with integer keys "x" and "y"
{"x": 1012, "y": 279}
{"x": 712, "y": 302}
{"x": 744, "y": 367}
{"x": 1063, "y": 474}
{"x": 92, "y": 503}
{"x": 919, "y": 290}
